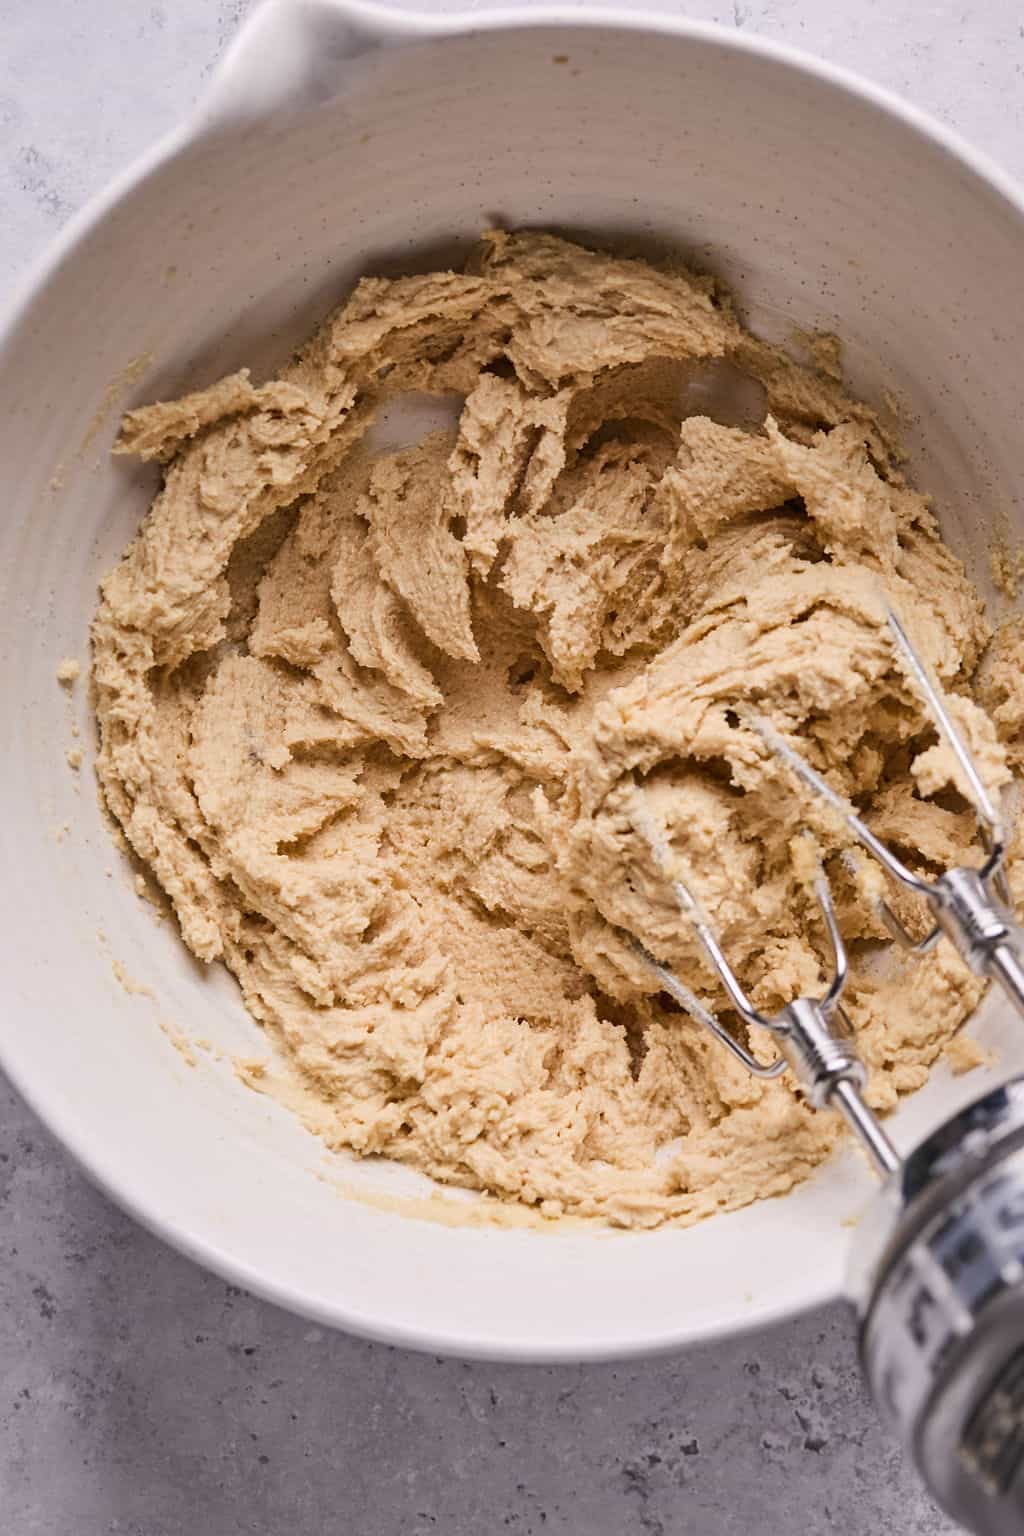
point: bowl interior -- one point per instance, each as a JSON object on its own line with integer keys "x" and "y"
{"x": 822, "y": 208}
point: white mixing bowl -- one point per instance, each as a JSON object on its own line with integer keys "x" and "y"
{"x": 338, "y": 139}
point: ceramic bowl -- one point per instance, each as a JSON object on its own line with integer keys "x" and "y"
{"x": 337, "y": 139}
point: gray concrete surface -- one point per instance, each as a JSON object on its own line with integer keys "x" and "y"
{"x": 141, "y": 1396}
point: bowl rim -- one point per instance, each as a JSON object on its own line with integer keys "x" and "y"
{"x": 393, "y": 26}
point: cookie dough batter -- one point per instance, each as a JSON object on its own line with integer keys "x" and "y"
{"x": 374, "y": 721}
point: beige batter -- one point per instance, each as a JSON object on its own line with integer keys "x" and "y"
{"x": 375, "y": 722}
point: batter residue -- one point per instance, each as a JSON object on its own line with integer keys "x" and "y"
{"x": 375, "y": 721}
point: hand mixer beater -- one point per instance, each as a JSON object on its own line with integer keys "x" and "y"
{"x": 938, "y": 1275}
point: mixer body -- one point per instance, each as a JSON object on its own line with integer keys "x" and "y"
{"x": 938, "y": 1280}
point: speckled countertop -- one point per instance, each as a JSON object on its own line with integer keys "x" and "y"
{"x": 141, "y": 1396}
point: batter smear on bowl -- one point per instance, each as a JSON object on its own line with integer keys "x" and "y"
{"x": 373, "y": 720}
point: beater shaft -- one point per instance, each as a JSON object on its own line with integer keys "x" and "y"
{"x": 845, "y": 1097}
{"x": 1005, "y": 967}
{"x": 980, "y": 929}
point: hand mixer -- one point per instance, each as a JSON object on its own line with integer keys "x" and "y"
{"x": 938, "y": 1275}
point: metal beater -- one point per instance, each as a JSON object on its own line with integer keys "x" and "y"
{"x": 938, "y": 1273}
